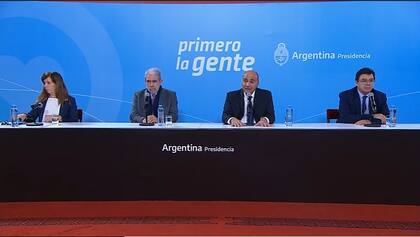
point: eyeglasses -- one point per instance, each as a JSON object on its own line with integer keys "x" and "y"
{"x": 45, "y": 74}
{"x": 366, "y": 81}
{"x": 151, "y": 81}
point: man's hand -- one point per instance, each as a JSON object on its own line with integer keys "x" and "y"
{"x": 234, "y": 122}
{"x": 262, "y": 123}
{"x": 363, "y": 122}
{"x": 381, "y": 117}
{"x": 150, "y": 119}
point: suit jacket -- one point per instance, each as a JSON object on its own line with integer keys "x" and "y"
{"x": 167, "y": 99}
{"x": 68, "y": 111}
{"x": 350, "y": 106}
{"x": 263, "y": 105}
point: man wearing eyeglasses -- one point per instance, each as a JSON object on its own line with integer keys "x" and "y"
{"x": 250, "y": 105}
{"x": 151, "y": 97}
{"x": 362, "y": 104}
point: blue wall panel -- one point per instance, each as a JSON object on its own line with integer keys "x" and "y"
{"x": 103, "y": 49}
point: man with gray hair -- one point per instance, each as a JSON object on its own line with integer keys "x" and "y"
{"x": 250, "y": 106}
{"x": 153, "y": 96}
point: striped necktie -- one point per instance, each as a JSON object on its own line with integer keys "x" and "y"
{"x": 249, "y": 112}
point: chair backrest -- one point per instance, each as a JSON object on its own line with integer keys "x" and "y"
{"x": 332, "y": 114}
{"x": 80, "y": 115}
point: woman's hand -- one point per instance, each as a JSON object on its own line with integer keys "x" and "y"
{"x": 22, "y": 117}
{"x": 48, "y": 118}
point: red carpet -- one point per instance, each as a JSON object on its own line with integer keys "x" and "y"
{"x": 206, "y": 218}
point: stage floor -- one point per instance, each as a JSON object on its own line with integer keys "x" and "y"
{"x": 205, "y": 218}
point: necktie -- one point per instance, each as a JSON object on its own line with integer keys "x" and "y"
{"x": 153, "y": 96}
{"x": 249, "y": 112}
{"x": 364, "y": 104}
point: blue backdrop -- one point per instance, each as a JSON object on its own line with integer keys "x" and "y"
{"x": 305, "y": 53}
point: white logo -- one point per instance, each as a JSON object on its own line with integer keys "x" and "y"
{"x": 202, "y": 56}
{"x": 281, "y": 55}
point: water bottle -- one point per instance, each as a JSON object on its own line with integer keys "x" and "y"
{"x": 161, "y": 115}
{"x": 289, "y": 116}
{"x": 13, "y": 116}
{"x": 392, "y": 118}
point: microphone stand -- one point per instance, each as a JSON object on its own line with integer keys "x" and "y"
{"x": 35, "y": 106}
{"x": 147, "y": 109}
{"x": 372, "y": 102}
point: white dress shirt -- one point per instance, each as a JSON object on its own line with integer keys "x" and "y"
{"x": 51, "y": 108}
{"x": 361, "y": 102}
{"x": 245, "y": 117}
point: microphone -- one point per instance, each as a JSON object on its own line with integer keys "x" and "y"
{"x": 147, "y": 108}
{"x": 38, "y": 105}
{"x": 147, "y": 103}
{"x": 372, "y": 102}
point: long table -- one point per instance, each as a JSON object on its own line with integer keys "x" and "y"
{"x": 338, "y": 163}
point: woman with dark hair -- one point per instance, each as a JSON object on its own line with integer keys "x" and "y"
{"x": 53, "y": 100}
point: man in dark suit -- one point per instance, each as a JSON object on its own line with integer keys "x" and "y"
{"x": 362, "y": 104}
{"x": 154, "y": 95}
{"x": 249, "y": 105}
